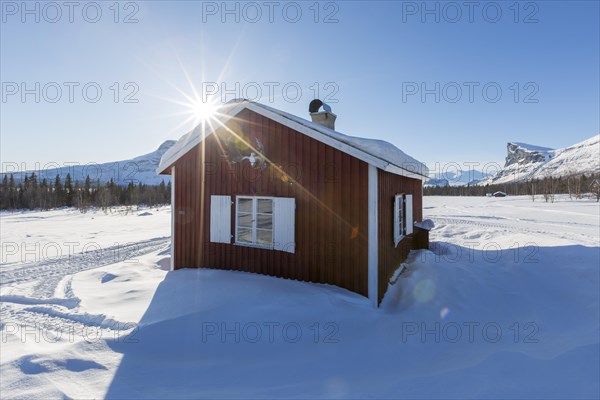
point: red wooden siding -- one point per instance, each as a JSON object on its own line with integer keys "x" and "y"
{"x": 390, "y": 256}
{"x": 330, "y": 188}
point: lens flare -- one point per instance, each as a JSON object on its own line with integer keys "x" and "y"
{"x": 424, "y": 291}
{"x": 444, "y": 312}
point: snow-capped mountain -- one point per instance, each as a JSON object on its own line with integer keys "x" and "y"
{"x": 139, "y": 169}
{"x": 525, "y": 162}
{"x": 456, "y": 178}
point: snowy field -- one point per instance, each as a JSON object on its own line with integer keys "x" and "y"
{"x": 505, "y": 305}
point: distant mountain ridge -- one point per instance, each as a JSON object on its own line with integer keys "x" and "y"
{"x": 525, "y": 162}
{"x": 139, "y": 169}
{"x": 455, "y": 178}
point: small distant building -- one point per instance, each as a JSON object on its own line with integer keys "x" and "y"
{"x": 259, "y": 190}
{"x": 499, "y": 194}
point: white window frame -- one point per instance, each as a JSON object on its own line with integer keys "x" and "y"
{"x": 404, "y": 226}
{"x": 398, "y": 218}
{"x": 254, "y": 221}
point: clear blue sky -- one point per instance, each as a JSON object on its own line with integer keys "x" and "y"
{"x": 374, "y": 55}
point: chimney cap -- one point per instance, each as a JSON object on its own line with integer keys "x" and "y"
{"x": 325, "y": 118}
{"x": 316, "y": 104}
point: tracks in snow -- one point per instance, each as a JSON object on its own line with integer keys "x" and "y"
{"x": 51, "y": 272}
{"x": 517, "y": 227}
{"x": 45, "y": 312}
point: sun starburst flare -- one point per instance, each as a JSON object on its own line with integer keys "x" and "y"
{"x": 202, "y": 111}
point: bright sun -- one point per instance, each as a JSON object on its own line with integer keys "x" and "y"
{"x": 196, "y": 109}
{"x": 203, "y": 111}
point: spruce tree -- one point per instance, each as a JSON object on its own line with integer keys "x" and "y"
{"x": 12, "y": 193}
{"x": 68, "y": 191}
{"x": 4, "y": 195}
{"x": 43, "y": 194}
{"x": 87, "y": 191}
{"x": 57, "y": 192}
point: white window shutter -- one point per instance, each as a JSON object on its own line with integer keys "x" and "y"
{"x": 408, "y": 206}
{"x": 284, "y": 218}
{"x": 397, "y": 219}
{"x": 220, "y": 219}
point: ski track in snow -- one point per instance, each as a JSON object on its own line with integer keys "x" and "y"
{"x": 576, "y": 237}
{"x": 51, "y": 272}
{"x": 41, "y": 309}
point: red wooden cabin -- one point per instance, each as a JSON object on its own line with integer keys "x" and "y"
{"x": 260, "y": 190}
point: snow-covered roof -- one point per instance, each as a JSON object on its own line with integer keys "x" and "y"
{"x": 379, "y": 153}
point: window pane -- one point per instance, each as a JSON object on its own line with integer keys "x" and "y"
{"x": 245, "y": 220}
{"x": 245, "y": 205}
{"x": 265, "y": 221}
{"x": 264, "y": 237}
{"x": 244, "y": 235}
{"x": 265, "y": 206}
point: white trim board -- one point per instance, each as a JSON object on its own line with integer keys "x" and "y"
{"x": 173, "y": 218}
{"x": 373, "y": 242}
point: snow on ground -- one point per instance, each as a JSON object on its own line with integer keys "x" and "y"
{"x": 506, "y": 305}
{"x": 58, "y": 233}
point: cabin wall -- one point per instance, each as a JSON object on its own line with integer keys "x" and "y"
{"x": 330, "y": 188}
{"x": 390, "y": 256}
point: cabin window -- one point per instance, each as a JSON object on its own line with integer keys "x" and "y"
{"x": 254, "y": 221}
{"x": 266, "y": 222}
{"x": 403, "y": 216}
